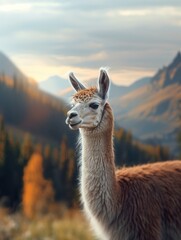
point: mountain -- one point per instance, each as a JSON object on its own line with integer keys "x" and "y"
{"x": 149, "y": 107}
{"x": 139, "y": 83}
{"x": 26, "y": 108}
{"x": 9, "y": 71}
{"x": 170, "y": 74}
{"x": 54, "y": 85}
{"x": 118, "y": 91}
{"x": 152, "y": 111}
{"x": 61, "y": 87}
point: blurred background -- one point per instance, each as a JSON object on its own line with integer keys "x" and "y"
{"x": 40, "y": 43}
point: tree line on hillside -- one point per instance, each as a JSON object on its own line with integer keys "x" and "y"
{"x": 35, "y": 173}
{"x": 129, "y": 152}
{"x": 33, "y": 110}
{"x": 58, "y": 166}
{"x": 32, "y": 90}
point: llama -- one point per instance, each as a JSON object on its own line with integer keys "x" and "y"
{"x": 132, "y": 203}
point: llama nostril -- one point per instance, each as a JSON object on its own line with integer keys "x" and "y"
{"x": 73, "y": 114}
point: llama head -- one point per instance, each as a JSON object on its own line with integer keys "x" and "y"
{"x": 88, "y": 103}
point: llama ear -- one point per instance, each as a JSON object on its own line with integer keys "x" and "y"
{"x": 75, "y": 83}
{"x": 104, "y": 83}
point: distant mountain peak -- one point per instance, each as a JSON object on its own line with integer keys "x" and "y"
{"x": 177, "y": 58}
{"x": 170, "y": 74}
{"x": 54, "y": 84}
{"x": 176, "y": 61}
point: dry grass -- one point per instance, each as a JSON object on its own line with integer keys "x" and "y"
{"x": 70, "y": 226}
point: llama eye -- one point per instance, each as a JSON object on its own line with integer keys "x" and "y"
{"x": 94, "y": 105}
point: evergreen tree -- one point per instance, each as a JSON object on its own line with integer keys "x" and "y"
{"x": 2, "y": 140}
{"x": 179, "y": 143}
{"x": 47, "y": 163}
{"x": 179, "y": 133}
{"x": 72, "y": 174}
{"x": 63, "y": 152}
{"x": 10, "y": 174}
{"x": 47, "y": 151}
{"x": 26, "y": 149}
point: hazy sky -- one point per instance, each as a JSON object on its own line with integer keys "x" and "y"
{"x": 131, "y": 37}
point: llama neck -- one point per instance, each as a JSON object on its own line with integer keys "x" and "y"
{"x": 98, "y": 180}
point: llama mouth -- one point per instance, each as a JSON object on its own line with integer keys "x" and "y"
{"x": 74, "y": 124}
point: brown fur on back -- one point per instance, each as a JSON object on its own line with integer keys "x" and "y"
{"x": 150, "y": 200}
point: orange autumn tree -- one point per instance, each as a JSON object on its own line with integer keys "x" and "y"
{"x": 38, "y": 192}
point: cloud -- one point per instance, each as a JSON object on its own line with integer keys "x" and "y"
{"x": 89, "y": 34}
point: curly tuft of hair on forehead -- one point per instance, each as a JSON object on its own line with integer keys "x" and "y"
{"x": 85, "y": 94}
